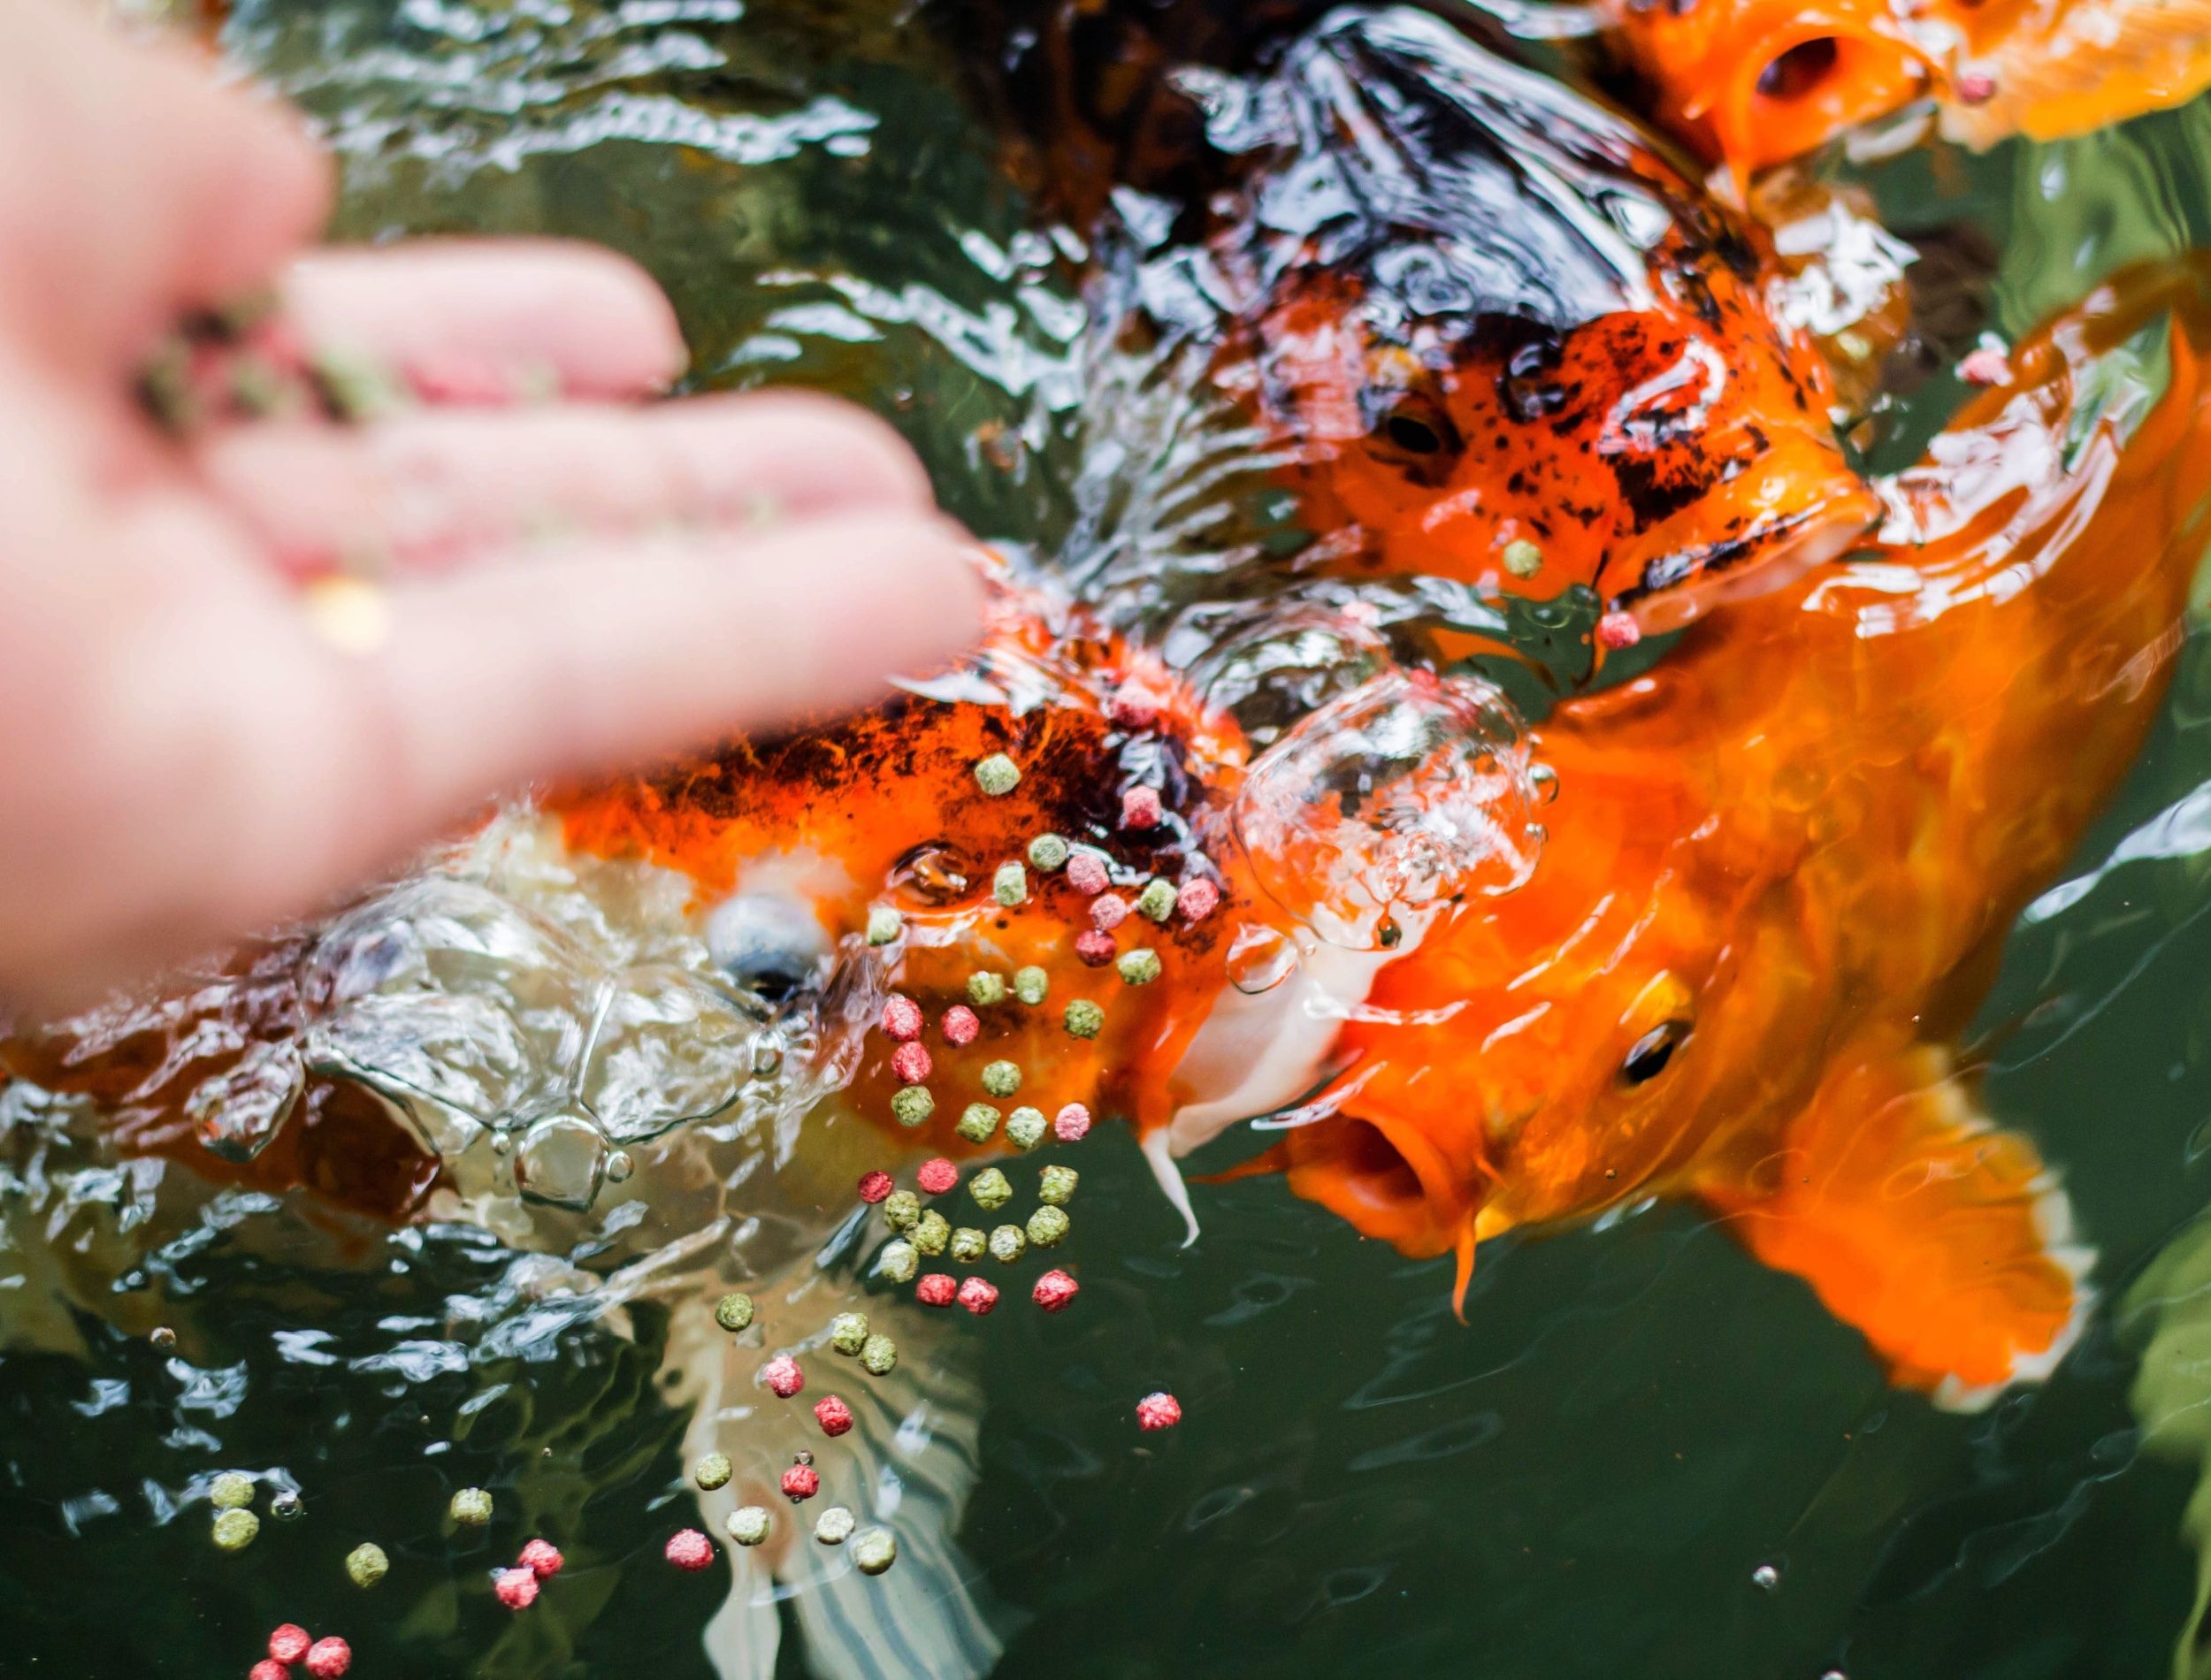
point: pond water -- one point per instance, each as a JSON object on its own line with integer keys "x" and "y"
{"x": 1642, "y": 1455}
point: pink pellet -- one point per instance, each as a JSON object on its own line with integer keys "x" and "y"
{"x": 1198, "y": 900}
{"x": 875, "y": 1186}
{"x": 542, "y": 1559}
{"x": 1095, "y": 946}
{"x": 268, "y": 1668}
{"x": 1976, "y": 87}
{"x": 1617, "y": 630}
{"x": 977, "y": 1296}
{"x": 517, "y": 1588}
{"x": 936, "y": 1290}
{"x": 1134, "y": 706}
{"x": 1109, "y": 910}
{"x": 328, "y": 1658}
{"x": 1087, "y": 873}
{"x": 834, "y": 1416}
{"x": 1158, "y": 1411}
{"x": 901, "y": 1017}
{"x": 290, "y": 1643}
{"x": 782, "y": 1374}
{"x": 961, "y": 1025}
{"x": 911, "y": 1063}
{"x": 1140, "y": 808}
{"x": 1985, "y": 367}
{"x": 801, "y": 1482}
{"x": 938, "y": 1175}
{"x": 688, "y": 1549}
{"x": 1071, "y": 1124}
{"x": 1054, "y": 1290}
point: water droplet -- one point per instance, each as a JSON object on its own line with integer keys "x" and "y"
{"x": 287, "y": 1506}
{"x": 1544, "y": 780}
{"x": 619, "y": 1167}
{"x": 767, "y": 1055}
{"x": 929, "y": 875}
{"x": 560, "y": 1161}
{"x": 163, "y": 1338}
{"x": 1260, "y": 958}
{"x": 502, "y": 1142}
{"x": 1765, "y": 1577}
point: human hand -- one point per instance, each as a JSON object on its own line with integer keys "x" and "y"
{"x": 183, "y": 755}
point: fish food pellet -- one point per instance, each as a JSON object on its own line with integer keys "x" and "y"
{"x": 734, "y": 1312}
{"x": 833, "y": 1414}
{"x": 884, "y": 925}
{"x": 998, "y": 775}
{"x": 1025, "y": 1128}
{"x": 1523, "y": 558}
{"x": 366, "y": 1564}
{"x": 1070, "y": 1125}
{"x": 1048, "y": 852}
{"x": 913, "y": 1105}
{"x": 910, "y": 1064}
{"x": 936, "y": 1290}
{"x": 269, "y": 1668}
{"x": 1617, "y": 630}
{"x": 901, "y": 1017}
{"x": 234, "y": 1529}
{"x": 1087, "y": 873}
{"x": 471, "y": 1507}
{"x": 1109, "y": 910}
{"x": 329, "y": 1659}
{"x": 1047, "y": 1226}
{"x": 783, "y": 1375}
{"x": 688, "y": 1549}
{"x": 1138, "y": 967}
{"x": 542, "y": 1559}
{"x": 1031, "y": 985}
{"x": 1054, "y": 1291}
{"x": 1002, "y": 1078}
{"x": 932, "y": 1234}
{"x": 873, "y": 1550}
{"x": 834, "y": 1526}
{"x": 977, "y": 1122}
{"x": 1198, "y": 900}
{"x": 962, "y": 1024}
{"x": 938, "y": 1175}
{"x": 517, "y": 1588}
{"x": 1156, "y": 900}
{"x": 1140, "y": 808}
{"x": 874, "y": 1187}
{"x": 712, "y": 1471}
{"x": 800, "y": 1482}
{"x": 990, "y": 1189}
{"x": 231, "y": 1491}
{"x": 748, "y": 1525}
{"x": 1095, "y": 946}
{"x": 899, "y": 1261}
{"x": 978, "y": 1296}
{"x": 879, "y": 1355}
{"x": 902, "y": 1212}
{"x": 986, "y": 990}
{"x": 1055, "y": 1186}
{"x": 1085, "y": 1018}
{"x": 848, "y": 1332}
{"x": 1158, "y": 1411}
{"x": 1007, "y": 1244}
{"x": 1133, "y": 706}
{"x": 1010, "y": 886}
{"x": 1974, "y": 88}
{"x": 289, "y": 1644}
{"x": 968, "y": 1245}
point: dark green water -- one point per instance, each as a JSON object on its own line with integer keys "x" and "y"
{"x": 1580, "y": 1481}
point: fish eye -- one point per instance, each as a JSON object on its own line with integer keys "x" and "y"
{"x": 770, "y": 945}
{"x": 1652, "y": 1051}
{"x": 1417, "y": 431}
{"x": 1408, "y": 432}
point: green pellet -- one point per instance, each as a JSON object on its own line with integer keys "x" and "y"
{"x": 1138, "y": 967}
{"x": 712, "y": 1471}
{"x": 884, "y": 925}
{"x": 834, "y": 1526}
{"x": 873, "y": 1550}
{"x": 1031, "y": 984}
{"x": 848, "y": 1332}
{"x": 353, "y": 388}
{"x": 998, "y": 775}
{"x": 978, "y": 1121}
{"x": 748, "y": 1525}
{"x": 878, "y": 1354}
{"x": 1056, "y": 1188}
{"x": 366, "y": 1564}
{"x": 1085, "y": 1018}
{"x": 231, "y": 1490}
{"x": 1047, "y": 1226}
{"x": 990, "y": 1189}
{"x": 1010, "y": 885}
{"x": 913, "y": 1105}
{"x": 985, "y": 989}
{"x": 234, "y": 1529}
{"x": 734, "y": 1312}
{"x": 1523, "y": 558}
{"x": 1048, "y": 852}
{"x": 932, "y": 1234}
{"x": 1002, "y": 1079}
{"x": 1025, "y": 1128}
{"x": 968, "y": 1245}
{"x": 1156, "y": 900}
{"x": 902, "y": 1209}
{"x": 472, "y": 1507}
{"x": 1007, "y": 1244}
{"x": 900, "y": 1262}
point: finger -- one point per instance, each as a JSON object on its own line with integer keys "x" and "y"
{"x": 489, "y": 318}
{"x": 441, "y": 485}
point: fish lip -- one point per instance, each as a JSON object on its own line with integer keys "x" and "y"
{"x": 1771, "y": 557}
{"x": 1335, "y": 1163}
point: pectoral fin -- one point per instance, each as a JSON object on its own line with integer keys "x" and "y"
{"x": 1939, "y": 1237}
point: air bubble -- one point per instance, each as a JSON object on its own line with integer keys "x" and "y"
{"x": 561, "y": 1163}
{"x": 619, "y": 1167}
{"x": 1765, "y": 1577}
{"x": 1260, "y": 958}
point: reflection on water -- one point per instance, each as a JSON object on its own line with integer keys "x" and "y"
{"x": 1587, "y": 1477}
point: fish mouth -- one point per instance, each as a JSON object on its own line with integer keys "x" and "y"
{"x": 1814, "y": 74}
{"x": 1389, "y": 1182}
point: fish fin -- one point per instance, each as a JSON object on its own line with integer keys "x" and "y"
{"x": 1941, "y": 1239}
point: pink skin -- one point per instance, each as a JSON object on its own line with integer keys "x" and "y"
{"x": 186, "y": 757}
